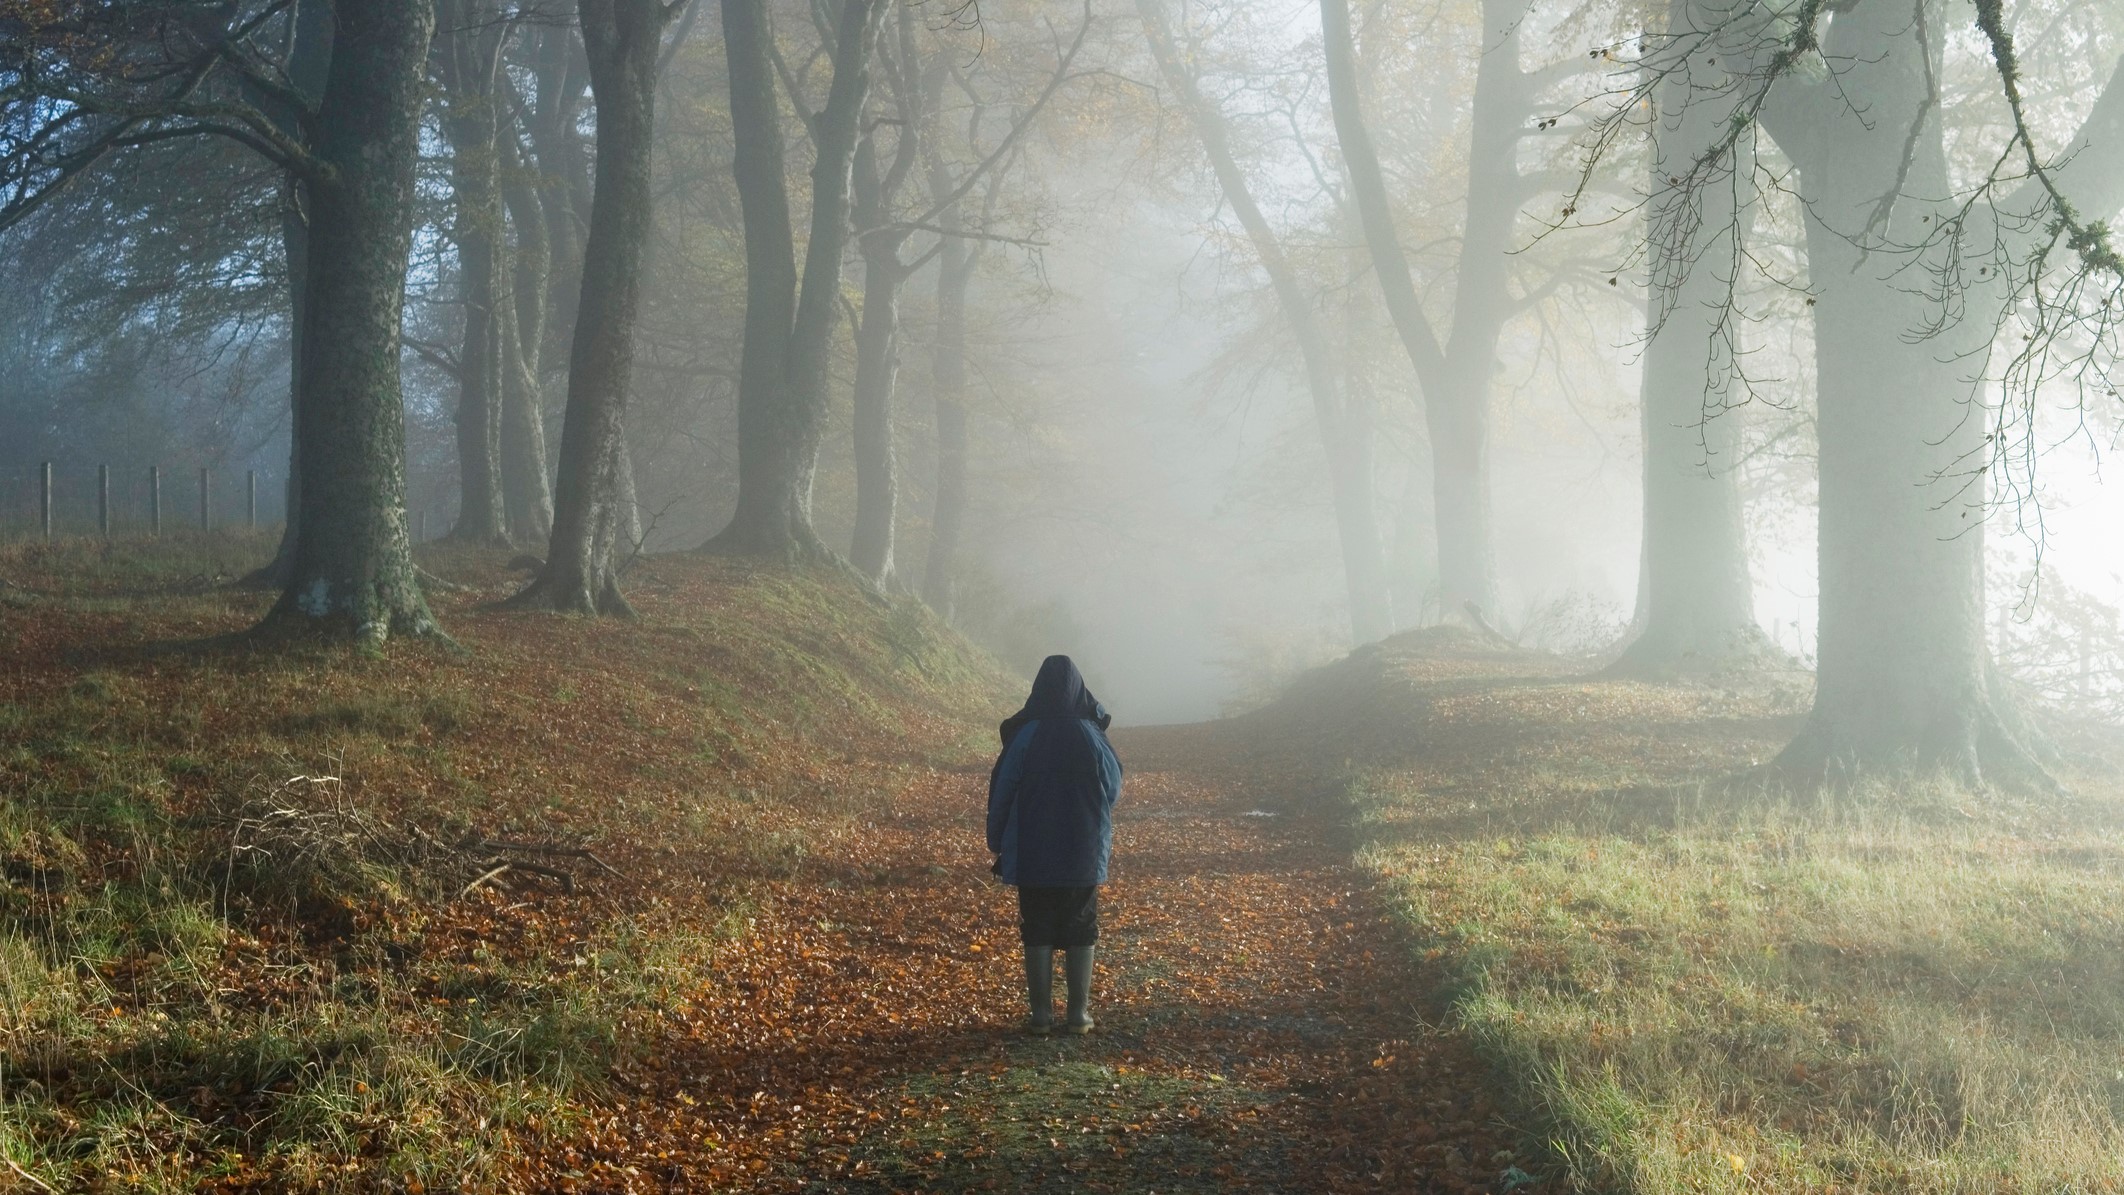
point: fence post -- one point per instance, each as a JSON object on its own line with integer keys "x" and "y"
{"x": 103, "y": 500}
{"x": 206, "y": 522}
{"x": 155, "y": 501}
{"x": 250, "y": 499}
{"x": 44, "y": 501}
{"x": 421, "y": 536}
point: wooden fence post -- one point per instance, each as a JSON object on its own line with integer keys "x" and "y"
{"x": 206, "y": 522}
{"x": 155, "y": 501}
{"x": 250, "y": 499}
{"x": 103, "y": 500}
{"x": 44, "y": 500}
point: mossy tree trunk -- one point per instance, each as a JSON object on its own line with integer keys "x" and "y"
{"x": 352, "y": 570}
{"x": 876, "y": 183}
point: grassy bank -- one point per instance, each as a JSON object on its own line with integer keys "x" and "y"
{"x": 251, "y": 926}
{"x": 1909, "y": 987}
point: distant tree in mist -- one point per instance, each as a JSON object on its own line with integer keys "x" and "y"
{"x": 1933, "y": 281}
{"x": 468, "y": 65}
{"x": 1348, "y": 449}
{"x": 785, "y": 371}
{"x": 1455, "y": 370}
{"x": 1696, "y": 599}
{"x": 624, "y": 40}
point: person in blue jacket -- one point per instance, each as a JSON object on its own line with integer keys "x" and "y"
{"x": 1051, "y": 801}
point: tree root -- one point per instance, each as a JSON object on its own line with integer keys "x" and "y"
{"x": 1662, "y": 658}
{"x": 1981, "y": 751}
{"x": 549, "y": 595}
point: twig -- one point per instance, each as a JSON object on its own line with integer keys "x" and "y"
{"x": 17, "y": 1168}
{"x": 471, "y": 887}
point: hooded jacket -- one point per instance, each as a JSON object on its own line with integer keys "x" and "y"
{"x": 1051, "y": 793}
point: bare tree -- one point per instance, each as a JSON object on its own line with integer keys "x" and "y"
{"x": 1364, "y": 564}
{"x": 784, "y": 375}
{"x": 623, "y": 39}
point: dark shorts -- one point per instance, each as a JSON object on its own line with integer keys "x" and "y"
{"x": 1059, "y": 917}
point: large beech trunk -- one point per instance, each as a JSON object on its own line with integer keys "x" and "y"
{"x": 352, "y": 571}
{"x": 1348, "y": 455}
{"x": 1696, "y": 600}
{"x": 622, "y": 38}
{"x": 1904, "y": 679}
{"x": 784, "y": 372}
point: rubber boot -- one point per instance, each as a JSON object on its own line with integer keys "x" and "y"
{"x": 1077, "y": 971}
{"x": 1040, "y": 989}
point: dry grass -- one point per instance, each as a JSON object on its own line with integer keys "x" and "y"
{"x": 1695, "y": 988}
{"x": 214, "y": 977}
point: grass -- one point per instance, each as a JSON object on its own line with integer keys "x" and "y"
{"x": 1047, "y": 1117}
{"x": 184, "y": 1001}
{"x": 1698, "y": 987}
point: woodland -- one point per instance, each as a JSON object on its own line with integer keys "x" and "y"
{"x": 518, "y": 519}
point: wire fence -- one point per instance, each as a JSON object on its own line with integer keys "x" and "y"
{"x": 51, "y": 501}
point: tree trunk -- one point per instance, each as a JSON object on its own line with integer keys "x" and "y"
{"x": 770, "y": 270}
{"x": 782, "y": 408}
{"x": 877, "y": 364}
{"x": 353, "y": 569}
{"x": 1904, "y": 679}
{"x": 1696, "y": 600}
{"x": 467, "y": 58}
{"x": 1455, "y": 376}
{"x": 622, "y": 38}
{"x": 1349, "y": 477}
{"x": 526, "y": 494}
{"x": 560, "y": 76}
{"x": 876, "y": 184}
{"x": 955, "y": 271}
{"x": 309, "y": 57}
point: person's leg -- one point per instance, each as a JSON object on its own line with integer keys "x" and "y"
{"x": 1040, "y": 987}
{"x": 1079, "y": 941}
{"x": 1036, "y": 931}
{"x": 1077, "y": 972}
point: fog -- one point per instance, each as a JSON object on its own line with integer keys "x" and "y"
{"x": 1200, "y": 448}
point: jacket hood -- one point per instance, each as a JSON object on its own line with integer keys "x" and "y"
{"x": 1057, "y": 692}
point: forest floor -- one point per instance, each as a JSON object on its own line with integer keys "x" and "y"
{"x": 699, "y": 903}
{"x": 252, "y": 937}
{"x": 1255, "y": 1031}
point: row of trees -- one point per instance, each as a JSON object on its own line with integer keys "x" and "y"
{"x": 1881, "y": 171}
{"x": 1933, "y": 232}
{"x": 547, "y": 250}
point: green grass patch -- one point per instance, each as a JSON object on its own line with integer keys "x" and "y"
{"x": 1907, "y": 987}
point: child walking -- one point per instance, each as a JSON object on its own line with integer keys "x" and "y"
{"x": 1051, "y": 799}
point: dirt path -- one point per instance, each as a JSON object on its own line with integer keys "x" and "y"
{"x": 1254, "y": 1032}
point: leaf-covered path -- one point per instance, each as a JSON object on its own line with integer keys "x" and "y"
{"x": 1256, "y": 1025}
